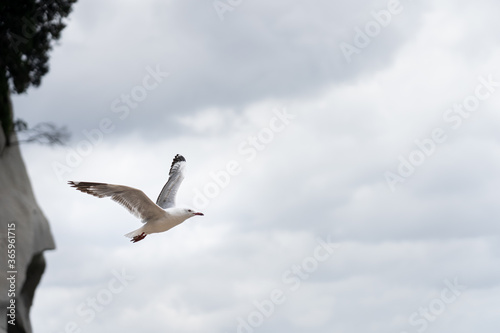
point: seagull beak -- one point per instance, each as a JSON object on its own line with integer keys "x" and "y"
{"x": 201, "y": 214}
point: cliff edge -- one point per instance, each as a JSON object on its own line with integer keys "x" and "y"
{"x": 25, "y": 235}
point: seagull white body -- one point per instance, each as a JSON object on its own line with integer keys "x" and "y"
{"x": 157, "y": 217}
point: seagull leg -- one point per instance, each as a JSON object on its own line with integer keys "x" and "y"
{"x": 137, "y": 238}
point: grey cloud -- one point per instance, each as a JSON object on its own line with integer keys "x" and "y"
{"x": 284, "y": 50}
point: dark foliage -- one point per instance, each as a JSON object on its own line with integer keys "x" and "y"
{"x": 28, "y": 29}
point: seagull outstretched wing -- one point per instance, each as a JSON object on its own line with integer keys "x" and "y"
{"x": 131, "y": 198}
{"x": 166, "y": 199}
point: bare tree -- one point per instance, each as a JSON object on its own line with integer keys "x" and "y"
{"x": 42, "y": 133}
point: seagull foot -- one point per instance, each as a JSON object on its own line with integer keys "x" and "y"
{"x": 137, "y": 238}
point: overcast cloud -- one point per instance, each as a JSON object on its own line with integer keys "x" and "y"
{"x": 365, "y": 135}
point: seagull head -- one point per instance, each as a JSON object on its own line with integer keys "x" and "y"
{"x": 191, "y": 213}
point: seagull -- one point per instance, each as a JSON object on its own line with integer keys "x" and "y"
{"x": 158, "y": 217}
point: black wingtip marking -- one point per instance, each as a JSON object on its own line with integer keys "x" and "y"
{"x": 86, "y": 187}
{"x": 83, "y": 184}
{"x": 178, "y": 158}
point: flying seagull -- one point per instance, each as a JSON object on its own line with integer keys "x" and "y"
{"x": 158, "y": 217}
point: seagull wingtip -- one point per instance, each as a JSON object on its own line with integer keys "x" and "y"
{"x": 179, "y": 158}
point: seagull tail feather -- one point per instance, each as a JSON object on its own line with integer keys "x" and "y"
{"x": 136, "y": 235}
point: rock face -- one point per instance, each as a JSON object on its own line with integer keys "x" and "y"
{"x": 25, "y": 235}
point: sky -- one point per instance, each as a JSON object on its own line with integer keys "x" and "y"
{"x": 345, "y": 155}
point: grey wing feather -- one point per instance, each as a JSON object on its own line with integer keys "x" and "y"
{"x": 131, "y": 198}
{"x": 166, "y": 199}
